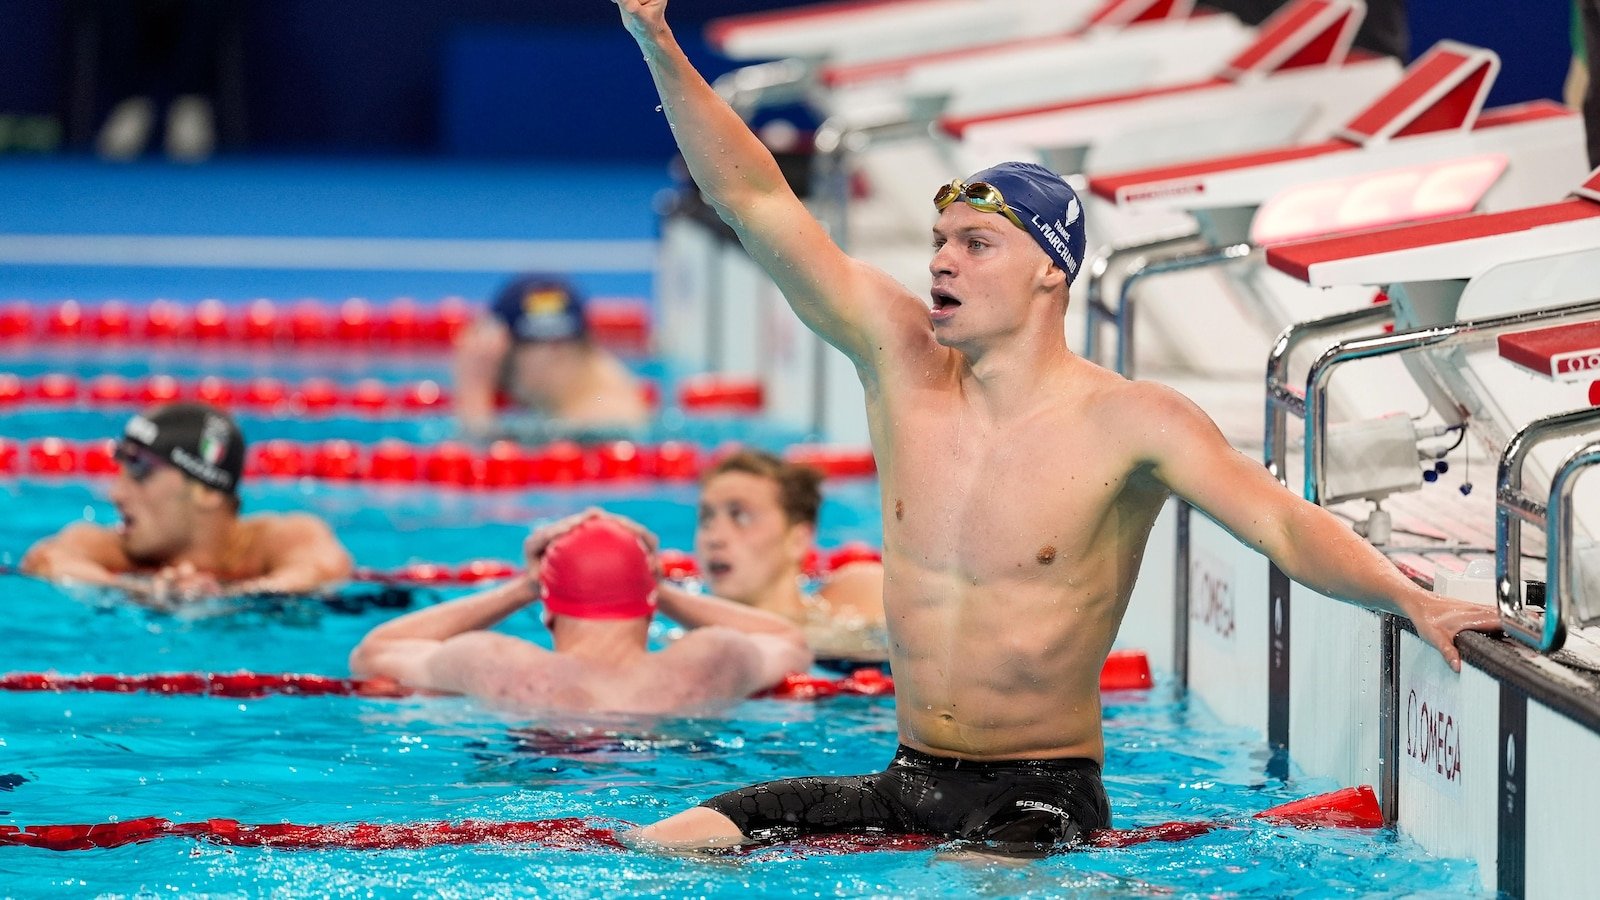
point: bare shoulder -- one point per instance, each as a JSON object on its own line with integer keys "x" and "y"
{"x": 714, "y": 651}
{"x": 275, "y": 528}
{"x": 94, "y": 542}
{"x": 855, "y": 589}
{"x": 1145, "y": 410}
{"x": 904, "y": 333}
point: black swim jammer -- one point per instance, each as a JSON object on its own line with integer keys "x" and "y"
{"x": 1015, "y": 805}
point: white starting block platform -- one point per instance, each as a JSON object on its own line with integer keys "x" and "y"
{"x": 1424, "y": 149}
{"x": 1127, "y": 45}
{"x": 1298, "y": 81}
{"x": 859, "y": 30}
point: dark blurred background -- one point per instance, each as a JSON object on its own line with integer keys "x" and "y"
{"x": 548, "y": 79}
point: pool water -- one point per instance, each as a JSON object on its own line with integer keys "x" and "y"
{"x": 67, "y": 758}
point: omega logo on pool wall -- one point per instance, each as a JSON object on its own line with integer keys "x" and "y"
{"x": 1211, "y": 597}
{"x": 1433, "y": 738}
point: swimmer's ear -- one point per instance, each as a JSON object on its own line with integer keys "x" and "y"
{"x": 1055, "y": 278}
{"x": 206, "y": 498}
{"x": 797, "y": 542}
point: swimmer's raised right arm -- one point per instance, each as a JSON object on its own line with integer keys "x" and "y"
{"x": 853, "y": 306}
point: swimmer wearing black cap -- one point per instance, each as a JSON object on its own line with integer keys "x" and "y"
{"x": 181, "y": 536}
{"x": 1019, "y": 485}
{"x": 533, "y": 346}
{"x": 596, "y": 575}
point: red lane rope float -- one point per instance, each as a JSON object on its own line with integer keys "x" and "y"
{"x": 619, "y": 322}
{"x": 1352, "y": 807}
{"x": 865, "y": 682}
{"x": 268, "y": 395}
{"x": 676, "y": 565}
{"x": 721, "y": 393}
{"x": 1348, "y": 808}
{"x": 503, "y": 464}
{"x": 208, "y": 684}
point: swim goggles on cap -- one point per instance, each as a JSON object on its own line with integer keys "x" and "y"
{"x": 980, "y": 195}
{"x": 138, "y": 461}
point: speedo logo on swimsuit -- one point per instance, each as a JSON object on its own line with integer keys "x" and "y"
{"x": 1044, "y": 807}
{"x": 199, "y": 468}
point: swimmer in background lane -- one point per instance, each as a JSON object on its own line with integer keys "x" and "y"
{"x": 533, "y": 345}
{"x": 1019, "y": 485}
{"x": 599, "y": 584}
{"x": 181, "y": 537}
{"x": 757, "y": 523}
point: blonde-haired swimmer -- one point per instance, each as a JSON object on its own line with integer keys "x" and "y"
{"x": 181, "y": 536}
{"x": 596, "y": 575}
{"x": 756, "y": 524}
{"x": 1019, "y": 485}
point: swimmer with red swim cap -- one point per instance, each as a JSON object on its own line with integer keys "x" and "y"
{"x": 181, "y": 537}
{"x": 597, "y": 579}
{"x": 1019, "y": 485}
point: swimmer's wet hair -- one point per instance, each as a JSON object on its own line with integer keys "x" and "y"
{"x": 799, "y": 486}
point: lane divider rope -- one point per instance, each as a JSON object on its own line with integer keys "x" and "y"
{"x": 1355, "y": 807}
{"x": 698, "y": 395}
{"x": 503, "y": 464}
{"x": 400, "y": 324}
{"x": 1124, "y": 670}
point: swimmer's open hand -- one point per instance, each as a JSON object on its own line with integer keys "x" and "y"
{"x": 173, "y": 586}
{"x": 538, "y": 542}
{"x": 1439, "y": 619}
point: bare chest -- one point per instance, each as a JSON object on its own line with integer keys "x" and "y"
{"x": 998, "y": 497}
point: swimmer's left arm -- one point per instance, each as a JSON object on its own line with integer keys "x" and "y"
{"x": 303, "y": 555}
{"x": 1187, "y": 453}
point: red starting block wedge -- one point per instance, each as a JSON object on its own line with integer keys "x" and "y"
{"x": 721, "y": 394}
{"x": 1126, "y": 670}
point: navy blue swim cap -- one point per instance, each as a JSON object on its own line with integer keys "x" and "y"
{"x": 538, "y": 307}
{"x": 1048, "y": 207}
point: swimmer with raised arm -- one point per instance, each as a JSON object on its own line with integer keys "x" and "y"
{"x": 181, "y": 537}
{"x": 597, "y": 579}
{"x": 1019, "y": 485}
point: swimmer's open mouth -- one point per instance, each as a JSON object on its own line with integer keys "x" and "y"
{"x": 942, "y": 299}
{"x": 718, "y": 569}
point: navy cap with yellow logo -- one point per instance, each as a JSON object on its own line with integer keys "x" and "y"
{"x": 537, "y": 307}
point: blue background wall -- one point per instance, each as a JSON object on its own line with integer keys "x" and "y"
{"x": 555, "y": 78}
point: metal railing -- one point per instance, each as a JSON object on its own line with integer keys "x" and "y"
{"x": 1133, "y": 264}
{"x": 1313, "y": 405}
{"x": 1545, "y": 632}
{"x": 1282, "y": 398}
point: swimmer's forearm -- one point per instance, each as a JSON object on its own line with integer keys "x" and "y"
{"x": 474, "y": 612}
{"x": 725, "y": 158}
{"x": 700, "y": 610}
{"x": 1327, "y": 556}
